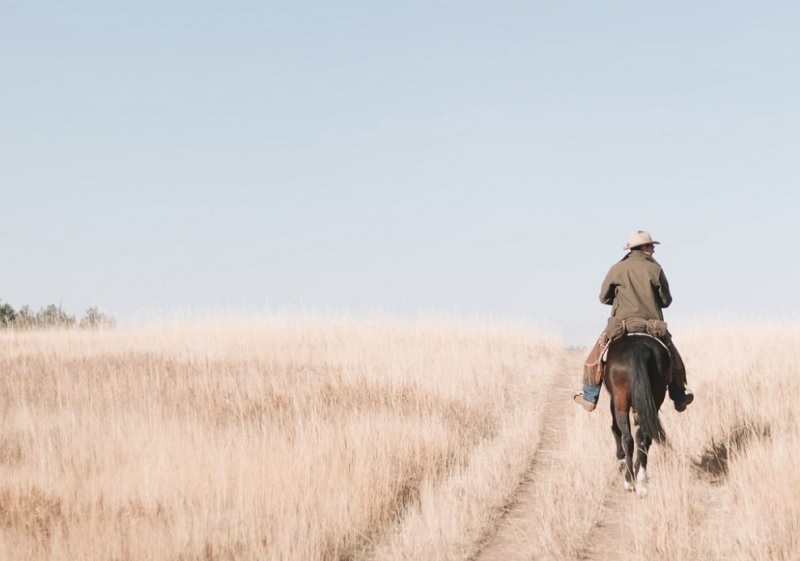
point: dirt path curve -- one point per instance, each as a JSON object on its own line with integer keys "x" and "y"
{"x": 505, "y": 544}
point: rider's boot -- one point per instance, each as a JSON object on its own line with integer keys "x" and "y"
{"x": 587, "y": 397}
{"x": 680, "y": 397}
{"x": 677, "y": 388}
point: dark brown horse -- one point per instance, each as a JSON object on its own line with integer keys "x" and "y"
{"x": 636, "y": 375}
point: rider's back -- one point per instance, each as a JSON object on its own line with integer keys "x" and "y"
{"x": 636, "y": 287}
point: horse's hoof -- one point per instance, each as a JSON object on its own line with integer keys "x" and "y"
{"x": 628, "y": 486}
{"x": 641, "y": 490}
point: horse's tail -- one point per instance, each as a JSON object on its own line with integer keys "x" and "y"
{"x": 643, "y": 361}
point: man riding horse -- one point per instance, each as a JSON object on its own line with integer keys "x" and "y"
{"x": 637, "y": 289}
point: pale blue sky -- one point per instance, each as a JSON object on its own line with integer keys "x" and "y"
{"x": 462, "y": 158}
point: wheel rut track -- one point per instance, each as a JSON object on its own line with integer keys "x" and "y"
{"x": 502, "y": 541}
{"x": 603, "y": 541}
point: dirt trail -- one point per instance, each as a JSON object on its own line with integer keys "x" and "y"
{"x": 603, "y": 542}
{"x": 505, "y": 543}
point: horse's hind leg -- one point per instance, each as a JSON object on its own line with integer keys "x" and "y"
{"x": 643, "y": 442}
{"x": 624, "y": 424}
{"x": 617, "y": 433}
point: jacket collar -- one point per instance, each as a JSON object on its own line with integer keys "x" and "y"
{"x": 639, "y": 254}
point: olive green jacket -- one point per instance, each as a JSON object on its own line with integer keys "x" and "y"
{"x": 636, "y": 287}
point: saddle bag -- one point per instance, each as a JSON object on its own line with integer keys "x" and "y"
{"x": 616, "y": 328}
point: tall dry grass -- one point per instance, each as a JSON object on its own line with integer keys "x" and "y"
{"x": 377, "y": 439}
{"x": 725, "y": 487}
{"x": 728, "y": 489}
{"x": 273, "y": 439}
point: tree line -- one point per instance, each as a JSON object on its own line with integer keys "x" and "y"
{"x": 50, "y": 317}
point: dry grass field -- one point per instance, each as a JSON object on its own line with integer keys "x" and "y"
{"x": 336, "y": 439}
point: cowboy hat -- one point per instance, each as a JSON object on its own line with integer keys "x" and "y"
{"x": 637, "y": 238}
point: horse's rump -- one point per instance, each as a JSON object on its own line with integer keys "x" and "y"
{"x": 637, "y": 374}
{"x": 639, "y": 366}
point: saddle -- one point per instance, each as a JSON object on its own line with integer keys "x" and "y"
{"x": 615, "y": 329}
